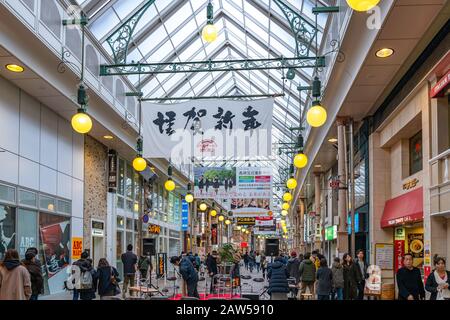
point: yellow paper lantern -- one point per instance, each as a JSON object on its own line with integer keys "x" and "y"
{"x": 139, "y": 164}
{"x": 189, "y": 198}
{"x": 316, "y": 116}
{"x": 203, "y": 207}
{"x": 285, "y": 206}
{"x": 169, "y": 185}
{"x": 221, "y": 218}
{"x": 291, "y": 184}
{"x": 239, "y": 227}
{"x": 362, "y": 5}
{"x": 81, "y": 123}
{"x": 284, "y": 213}
{"x": 300, "y": 160}
{"x": 287, "y": 197}
{"x": 213, "y": 213}
{"x": 209, "y": 33}
{"x": 227, "y": 222}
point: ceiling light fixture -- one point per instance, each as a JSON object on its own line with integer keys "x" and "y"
{"x": 108, "y": 137}
{"x": 209, "y": 32}
{"x": 385, "y": 53}
{"x": 15, "y": 68}
{"x": 332, "y": 140}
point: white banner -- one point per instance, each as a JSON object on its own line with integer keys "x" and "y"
{"x": 209, "y": 128}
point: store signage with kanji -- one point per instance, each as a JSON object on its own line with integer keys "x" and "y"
{"x": 154, "y": 229}
{"x": 246, "y": 221}
{"x": 77, "y": 248}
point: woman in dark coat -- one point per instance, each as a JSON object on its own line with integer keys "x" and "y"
{"x": 350, "y": 278}
{"x": 108, "y": 278}
{"x": 438, "y": 282}
{"x": 37, "y": 281}
{"x": 278, "y": 284}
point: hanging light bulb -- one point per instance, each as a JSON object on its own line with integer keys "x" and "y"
{"x": 284, "y": 213}
{"x": 81, "y": 122}
{"x": 362, "y": 5}
{"x": 203, "y": 206}
{"x": 239, "y": 228}
{"x": 170, "y": 184}
{"x": 285, "y": 206}
{"x": 139, "y": 163}
{"x": 291, "y": 183}
{"x": 300, "y": 160}
{"x": 228, "y": 222}
{"x": 189, "y": 197}
{"x": 317, "y": 115}
{"x": 209, "y": 32}
{"x": 287, "y": 197}
{"x": 221, "y": 218}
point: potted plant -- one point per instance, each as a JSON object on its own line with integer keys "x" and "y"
{"x": 226, "y": 254}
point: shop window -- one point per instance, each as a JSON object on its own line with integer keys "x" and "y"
{"x": 54, "y": 247}
{"x": 415, "y": 153}
{"x": 129, "y": 224}
{"x": 120, "y": 222}
{"x": 7, "y": 229}
{"x": 129, "y": 239}
{"x": 27, "y": 198}
{"x": 7, "y": 194}
{"x": 360, "y": 184}
{"x": 120, "y": 202}
{"x": 119, "y": 251}
{"x": 47, "y": 203}
{"x": 26, "y": 231}
{"x": 129, "y": 182}
{"x": 64, "y": 206}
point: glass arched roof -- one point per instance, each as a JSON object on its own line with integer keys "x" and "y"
{"x": 169, "y": 31}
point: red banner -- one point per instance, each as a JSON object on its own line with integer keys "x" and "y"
{"x": 399, "y": 252}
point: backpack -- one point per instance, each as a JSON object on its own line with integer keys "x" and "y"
{"x": 86, "y": 280}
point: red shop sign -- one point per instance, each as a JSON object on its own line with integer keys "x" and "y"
{"x": 438, "y": 89}
{"x": 399, "y": 252}
{"x": 244, "y": 245}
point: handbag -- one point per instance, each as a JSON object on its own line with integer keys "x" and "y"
{"x": 115, "y": 282}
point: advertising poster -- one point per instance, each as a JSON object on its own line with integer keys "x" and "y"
{"x": 416, "y": 248}
{"x": 373, "y": 283}
{"x": 184, "y": 215}
{"x": 265, "y": 230}
{"x": 251, "y": 207}
{"x": 384, "y": 254}
{"x": 254, "y": 183}
{"x": 264, "y": 221}
{"x": 162, "y": 266}
{"x": 214, "y": 234}
{"x": 214, "y": 183}
{"x": 7, "y": 229}
{"x": 77, "y": 248}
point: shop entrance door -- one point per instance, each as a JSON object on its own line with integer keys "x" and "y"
{"x": 98, "y": 250}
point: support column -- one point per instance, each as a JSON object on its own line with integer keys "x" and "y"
{"x": 302, "y": 226}
{"x": 317, "y": 219}
{"x": 342, "y": 240}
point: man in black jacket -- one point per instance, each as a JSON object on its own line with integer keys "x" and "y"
{"x": 409, "y": 281}
{"x": 211, "y": 265}
{"x": 188, "y": 273}
{"x": 362, "y": 273}
{"x": 129, "y": 260}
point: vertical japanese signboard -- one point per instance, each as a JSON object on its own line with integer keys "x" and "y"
{"x": 399, "y": 248}
{"x": 77, "y": 248}
{"x": 112, "y": 171}
{"x": 184, "y": 215}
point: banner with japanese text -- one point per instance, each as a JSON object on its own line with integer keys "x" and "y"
{"x": 208, "y": 128}
{"x": 254, "y": 182}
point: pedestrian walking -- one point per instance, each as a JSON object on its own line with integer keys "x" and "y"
{"x": 211, "y": 265}
{"x": 409, "y": 281}
{"x": 37, "y": 280}
{"x": 129, "y": 260}
{"x": 264, "y": 263}
{"x": 188, "y": 273}
{"x": 86, "y": 283}
{"x": 198, "y": 262}
{"x": 438, "y": 281}
{"x": 338, "y": 280}
{"x": 362, "y": 274}
{"x": 15, "y": 281}
{"x": 307, "y": 273}
{"x": 107, "y": 280}
{"x": 293, "y": 267}
{"x": 246, "y": 260}
{"x": 324, "y": 281}
{"x": 258, "y": 262}
{"x": 351, "y": 278}
{"x": 144, "y": 265}
{"x": 278, "y": 284}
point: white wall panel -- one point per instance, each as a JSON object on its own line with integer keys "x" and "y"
{"x": 28, "y": 174}
{"x": 9, "y": 116}
{"x": 49, "y": 138}
{"x": 77, "y": 227}
{"x": 47, "y": 180}
{"x": 30, "y": 127}
{"x": 9, "y": 167}
{"x": 64, "y": 147}
{"x": 78, "y": 156}
{"x": 77, "y": 198}
{"x": 64, "y": 186}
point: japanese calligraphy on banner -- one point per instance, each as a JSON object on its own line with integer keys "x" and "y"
{"x": 214, "y": 183}
{"x": 250, "y": 207}
{"x": 218, "y": 128}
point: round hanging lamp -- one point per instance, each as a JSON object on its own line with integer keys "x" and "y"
{"x": 362, "y": 5}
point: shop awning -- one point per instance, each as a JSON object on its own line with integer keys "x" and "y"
{"x": 407, "y": 208}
